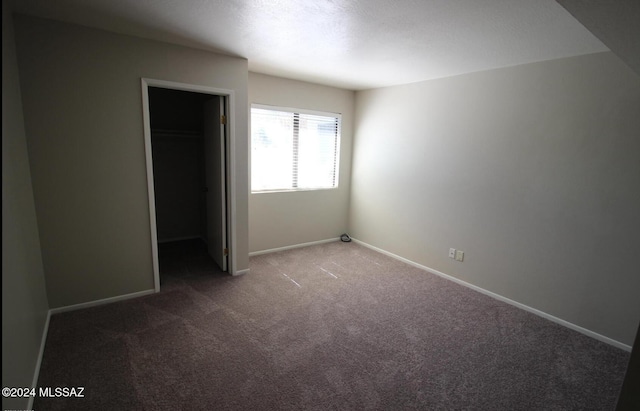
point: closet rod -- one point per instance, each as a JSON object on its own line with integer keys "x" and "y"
{"x": 175, "y": 133}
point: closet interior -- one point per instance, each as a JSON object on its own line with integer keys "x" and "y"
{"x": 177, "y": 125}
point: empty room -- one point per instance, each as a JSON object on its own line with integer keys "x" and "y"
{"x": 306, "y": 205}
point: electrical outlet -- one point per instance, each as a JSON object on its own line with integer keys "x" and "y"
{"x": 459, "y": 255}
{"x": 452, "y": 253}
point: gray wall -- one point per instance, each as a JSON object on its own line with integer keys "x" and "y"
{"x": 83, "y": 117}
{"x": 615, "y": 23}
{"x": 533, "y": 171}
{"x": 24, "y": 300}
{"x": 285, "y": 219}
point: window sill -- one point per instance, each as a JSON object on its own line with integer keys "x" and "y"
{"x": 294, "y": 190}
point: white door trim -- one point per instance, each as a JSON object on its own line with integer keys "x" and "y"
{"x": 230, "y": 164}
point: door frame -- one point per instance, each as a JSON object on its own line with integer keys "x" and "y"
{"x": 230, "y": 166}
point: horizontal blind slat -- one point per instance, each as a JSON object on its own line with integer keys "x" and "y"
{"x": 281, "y": 162}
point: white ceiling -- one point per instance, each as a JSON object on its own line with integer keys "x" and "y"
{"x": 355, "y": 44}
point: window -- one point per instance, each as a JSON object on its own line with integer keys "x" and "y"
{"x": 293, "y": 149}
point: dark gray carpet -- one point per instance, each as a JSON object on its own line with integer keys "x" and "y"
{"x": 330, "y": 327}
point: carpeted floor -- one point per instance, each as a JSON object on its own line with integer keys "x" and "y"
{"x": 329, "y": 327}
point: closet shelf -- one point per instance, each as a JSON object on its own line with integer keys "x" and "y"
{"x": 159, "y": 132}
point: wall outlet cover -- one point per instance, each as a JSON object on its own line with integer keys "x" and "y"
{"x": 459, "y": 255}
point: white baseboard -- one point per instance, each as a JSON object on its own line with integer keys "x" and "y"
{"x": 103, "y": 301}
{"x": 532, "y": 310}
{"x": 241, "y": 272}
{"x": 290, "y": 247}
{"x": 36, "y": 372}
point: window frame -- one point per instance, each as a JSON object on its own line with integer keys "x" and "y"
{"x": 294, "y": 111}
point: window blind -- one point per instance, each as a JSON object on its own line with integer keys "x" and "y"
{"x": 293, "y": 149}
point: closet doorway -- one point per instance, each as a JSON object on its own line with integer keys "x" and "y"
{"x": 187, "y": 164}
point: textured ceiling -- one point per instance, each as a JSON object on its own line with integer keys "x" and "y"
{"x": 354, "y": 44}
